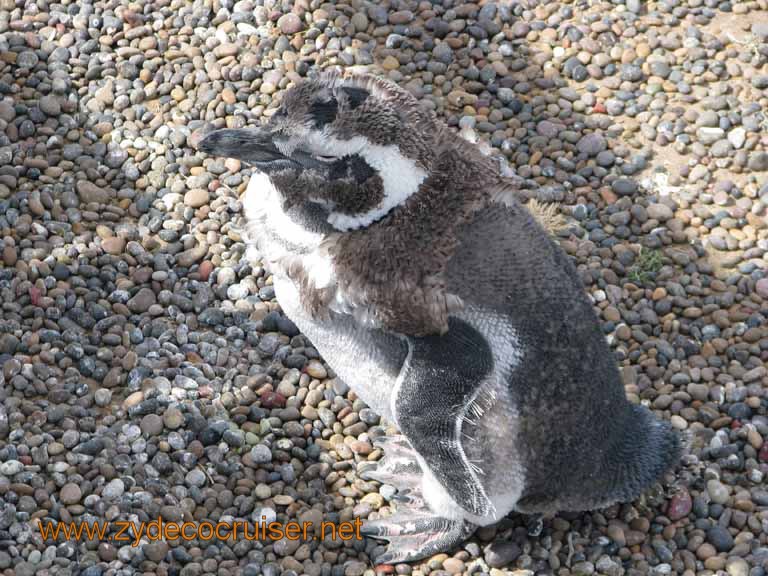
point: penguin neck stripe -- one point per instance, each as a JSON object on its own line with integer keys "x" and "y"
{"x": 401, "y": 177}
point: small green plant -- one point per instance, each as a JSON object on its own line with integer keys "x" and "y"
{"x": 648, "y": 263}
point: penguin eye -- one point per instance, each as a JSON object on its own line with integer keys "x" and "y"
{"x": 356, "y": 96}
{"x": 280, "y": 113}
{"x": 324, "y": 158}
{"x": 354, "y": 167}
{"x": 324, "y": 111}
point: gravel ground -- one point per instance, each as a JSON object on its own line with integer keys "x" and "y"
{"x": 147, "y": 370}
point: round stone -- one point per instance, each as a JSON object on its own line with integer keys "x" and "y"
{"x": 720, "y": 538}
{"x": 113, "y": 245}
{"x": 289, "y": 23}
{"x": 70, "y": 494}
{"x": 761, "y": 287}
{"x": 592, "y": 144}
{"x": 151, "y": 425}
{"x": 11, "y": 468}
{"x": 196, "y": 197}
{"x": 718, "y": 492}
{"x": 102, "y": 397}
{"x": 261, "y": 454}
{"x": 113, "y": 489}
{"x": 624, "y": 187}
{"x": 173, "y": 418}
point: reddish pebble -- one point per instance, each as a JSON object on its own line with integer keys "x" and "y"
{"x": 232, "y": 164}
{"x": 360, "y": 447}
{"x": 599, "y": 108}
{"x": 761, "y": 287}
{"x": 204, "y": 391}
{"x": 205, "y": 270}
{"x": 680, "y": 505}
{"x": 35, "y": 295}
{"x": 193, "y": 357}
{"x": 272, "y": 400}
{"x": 763, "y": 454}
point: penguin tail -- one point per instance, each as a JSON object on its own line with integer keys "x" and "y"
{"x": 646, "y": 451}
{"x": 635, "y": 454}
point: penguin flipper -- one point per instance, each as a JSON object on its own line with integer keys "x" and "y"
{"x": 440, "y": 384}
{"x": 416, "y": 535}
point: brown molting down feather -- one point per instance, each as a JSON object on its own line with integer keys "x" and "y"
{"x": 391, "y": 116}
{"x": 394, "y": 267}
{"x": 548, "y": 216}
{"x": 389, "y": 271}
{"x": 412, "y": 126}
{"x": 345, "y": 198}
{"x": 316, "y": 301}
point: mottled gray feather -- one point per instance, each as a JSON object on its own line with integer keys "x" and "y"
{"x": 583, "y": 444}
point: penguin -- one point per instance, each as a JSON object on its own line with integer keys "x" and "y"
{"x": 407, "y": 259}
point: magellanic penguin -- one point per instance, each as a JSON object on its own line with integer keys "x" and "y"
{"x": 402, "y": 254}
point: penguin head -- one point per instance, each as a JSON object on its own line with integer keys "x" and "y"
{"x": 358, "y": 146}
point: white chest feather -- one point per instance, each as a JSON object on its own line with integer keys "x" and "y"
{"x": 273, "y": 233}
{"x": 268, "y": 225}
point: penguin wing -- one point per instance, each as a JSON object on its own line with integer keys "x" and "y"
{"x": 503, "y": 267}
{"x": 427, "y": 385}
{"x": 506, "y": 262}
{"x": 442, "y": 377}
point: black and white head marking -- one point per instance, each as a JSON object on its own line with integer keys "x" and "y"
{"x": 357, "y": 146}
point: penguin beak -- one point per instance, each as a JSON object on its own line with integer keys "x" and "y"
{"x": 255, "y": 146}
{"x": 252, "y": 146}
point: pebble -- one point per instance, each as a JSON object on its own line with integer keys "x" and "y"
{"x": 261, "y": 454}
{"x": 718, "y": 492}
{"x": 11, "y": 468}
{"x": 50, "y": 105}
{"x": 114, "y": 489}
{"x": 173, "y": 418}
{"x": 289, "y": 23}
{"x": 680, "y": 505}
{"x": 70, "y": 493}
{"x": 737, "y": 567}
{"x": 192, "y": 256}
{"x": 500, "y": 554}
{"x": 591, "y": 144}
{"x": 142, "y": 301}
{"x": 196, "y": 197}
{"x": 114, "y": 245}
{"x": 155, "y": 551}
{"x": 660, "y": 212}
{"x": 761, "y": 287}
{"x": 151, "y": 425}
{"x": 720, "y": 538}
{"x": 624, "y": 187}
{"x": 89, "y": 192}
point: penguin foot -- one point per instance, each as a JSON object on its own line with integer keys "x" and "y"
{"x": 398, "y": 467}
{"x": 410, "y": 498}
{"x": 414, "y": 535}
{"x": 413, "y": 531}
